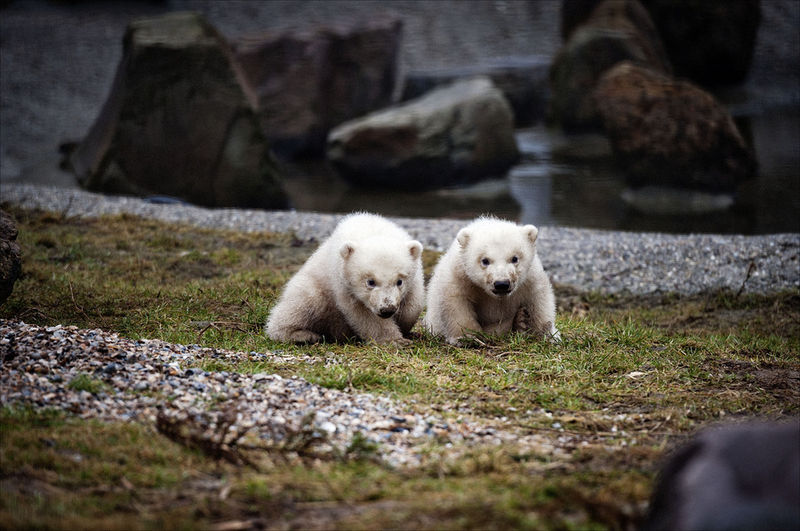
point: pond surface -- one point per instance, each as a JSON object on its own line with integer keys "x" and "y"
{"x": 572, "y": 182}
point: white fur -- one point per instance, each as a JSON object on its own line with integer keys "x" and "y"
{"x": 462, "y": 293}
{"x": 352, "y": 278}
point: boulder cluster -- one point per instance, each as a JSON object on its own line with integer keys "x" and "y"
{"x": 198, "y": 117}
{"x": 632, "y": 70}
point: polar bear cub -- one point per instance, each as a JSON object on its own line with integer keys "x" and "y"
{"x": 364, "y": 281}
{"x": 491, "y": 280}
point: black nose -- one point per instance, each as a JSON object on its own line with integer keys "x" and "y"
{"x": 385, "y": 313}
{"x": 502, "y": 286}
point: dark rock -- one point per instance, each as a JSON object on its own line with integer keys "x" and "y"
{"x": 574, "y": 13}
{"x": 112, "y": 368}
{"x": 308, "y": 82}
{"x": 523, "y": 81}
{"x": 708, "y": 41}
{"x": 179, "y": 123}
{"x": 631, "y": 18}
{"x": 737, "y": 477}
{"x": 616, "y": 31}
{"x": 670, "y": 133}
{"x": 10, "y": 258}
{"x": 455, "y": 134}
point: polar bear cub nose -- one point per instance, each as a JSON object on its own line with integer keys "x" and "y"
{"x": 387, "y": 311}
{"x": 502, "y": 286}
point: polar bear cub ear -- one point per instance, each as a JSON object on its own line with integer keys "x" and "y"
{"x": 530, "y": 232}
{"x": 347, "y": 250}
{"x": 463, "y": 238}
{"x": 415, "y": 249}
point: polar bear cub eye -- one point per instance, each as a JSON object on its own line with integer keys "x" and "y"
{"x": 485, "y": 262}
{"x": 371, "y": 283}
{"x": 399, "y": 282}
{"x": 514, "y": 259}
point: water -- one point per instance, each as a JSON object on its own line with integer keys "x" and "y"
{"x": 571, "y": 181}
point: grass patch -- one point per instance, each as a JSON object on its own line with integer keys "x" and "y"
{"x": 633, "y": 376}
{"x": 84, "y": 382}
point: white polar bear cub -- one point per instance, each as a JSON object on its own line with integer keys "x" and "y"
{"x": 364, "y": 281}
{"x": 491, "y": 280}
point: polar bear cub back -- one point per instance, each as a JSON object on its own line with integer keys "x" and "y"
{"x": 364, "y": 281}
{"x": 491, "y": 280}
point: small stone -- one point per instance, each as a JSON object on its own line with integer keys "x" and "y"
{"x": 112, "y": 368}
{"x": 328, "y": 427}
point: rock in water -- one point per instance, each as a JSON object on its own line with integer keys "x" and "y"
{"x": 616, "y": 31}
{"x": 524, "y": 81}
{"x": 456, "y": 134}
{"x": 710, "y": 42}
{"x": 668, "y": 132}
{"x": 178, "y": 122}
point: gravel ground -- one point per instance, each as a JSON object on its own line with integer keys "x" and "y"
{"x": 609, "y": 262}
{"x": 262, "y": 410}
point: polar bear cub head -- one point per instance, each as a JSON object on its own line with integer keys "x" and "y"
{"x": 497, "y": 254}
{"x": 378, "y": 270}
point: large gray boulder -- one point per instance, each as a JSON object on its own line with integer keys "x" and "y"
{"x": 524, "y": 81}
{"x": 10, "y": 259}
{"x": 455, "y": 134}
{"x": 309, "y": 81}
{"x": 667, "y": 132}
{"x": 616, "y": 31}
{"x": 178, "y": 122}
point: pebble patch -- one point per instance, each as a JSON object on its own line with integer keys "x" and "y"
{"x": 154, "y": 382}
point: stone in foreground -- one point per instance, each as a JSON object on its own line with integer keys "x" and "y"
{"x": 739, "y": 476}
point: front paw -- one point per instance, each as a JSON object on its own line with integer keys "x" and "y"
{"x": 554, "y": 336}
{"x": 455, "y": 341}
{"x": 466, "y": 341}
{"x": 305, "y": 336}
{"x": 401, "y": 342}
{"x": 522, "y": 320}
{"x": 393, "y": 341}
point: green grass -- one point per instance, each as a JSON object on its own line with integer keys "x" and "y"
{"x": 84, "y": 382}
{"x": 633, "y": 377}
